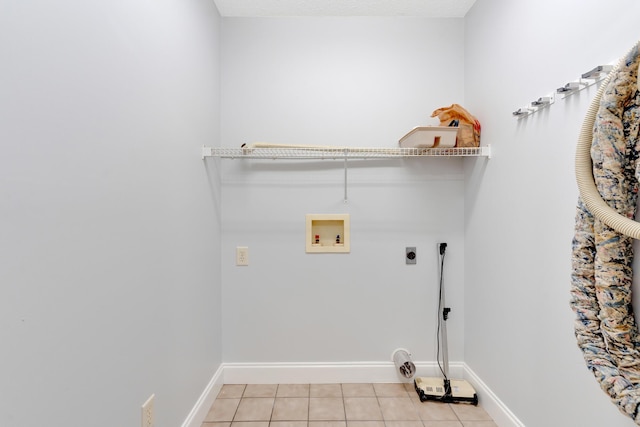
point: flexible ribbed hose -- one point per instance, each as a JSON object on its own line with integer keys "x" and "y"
{"x": 584, "y": 171}
{"x": 607, "y": 167}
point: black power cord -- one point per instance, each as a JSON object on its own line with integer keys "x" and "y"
{"x": 442, "y": 318}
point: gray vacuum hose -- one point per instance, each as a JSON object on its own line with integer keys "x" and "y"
{"x": 584, "y": 172}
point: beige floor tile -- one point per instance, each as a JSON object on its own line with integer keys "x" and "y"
{"x": 415, "y": 398}
{"x": 365, "y": 424}
{"x": 260, "y": 390}
{"x": 293, "y": 390}
{"x": 442, "y": 424}
{"x": 288, "y": 424}
{"x": 398, "y": 409}
{"x": 326, "y": 408}
{"x": 434, "y": 411}
{"x": 362, "y": 409}
{"x": 403, "y": 424}
{"x": 358, "y": 390}
{"x": 222, "y": 410}
{"x": 254, "y": 409}
{"x": 325, "y": 390}
{"x": 231, "y": 391}
{"x": 327, "y": 423}
{"x": 390, "y": 390}
{"x": 336, "y": 405}
{"x": 467, "y": 412}
{"x": 411, "y": 390}
{"x": 291, "y": 409}
{"x": 251, "y": 424}
{"x": 479, "y": 424}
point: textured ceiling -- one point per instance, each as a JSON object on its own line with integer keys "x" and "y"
{"x": 426, "y": 8}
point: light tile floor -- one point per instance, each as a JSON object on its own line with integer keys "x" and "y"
{"x": 336, "y": 405}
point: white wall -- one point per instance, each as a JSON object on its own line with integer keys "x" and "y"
{"x": 346, "y": 82}
{"x": 520, "y": 206}
{"x": 110, "y": 221}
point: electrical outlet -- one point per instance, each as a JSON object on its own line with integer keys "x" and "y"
{"x": 242, "y": 255}
{"x": 411, "y": 255}
{"x": 148, "y": 418}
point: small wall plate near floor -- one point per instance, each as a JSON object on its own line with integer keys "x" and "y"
{"x": 148, "y": 418}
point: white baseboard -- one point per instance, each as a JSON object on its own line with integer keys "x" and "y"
{"x": 331, "y": 373}
{"x": 206, "y": 399}
{"x": 502, "y": 416}
{"x": 327, "y": 373}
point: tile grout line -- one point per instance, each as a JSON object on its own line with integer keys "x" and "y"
{"x": 309, "y": 406}
{"x": 273, "y": 406}
{"x": 375, "y": 393}
{"x": 407, "y": 393}
{"x": 237, "y": 407}
{"x": 344, "y": 405}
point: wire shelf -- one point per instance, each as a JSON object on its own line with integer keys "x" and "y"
{"x": 340, "y": 153}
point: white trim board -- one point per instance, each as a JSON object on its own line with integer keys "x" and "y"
{"x": 490, "y": 402}
{"x": 326, "y": 373}
{"x": 331, "y": 373}
{"x": 206, "y": 399}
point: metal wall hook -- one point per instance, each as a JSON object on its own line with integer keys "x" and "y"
{"x": 521, "y": 112}
{"x": 598, "y": 72}
{"x": 569, "y": 87}
{"x": 542, "y": 101}
{"x": 587, "y": 79}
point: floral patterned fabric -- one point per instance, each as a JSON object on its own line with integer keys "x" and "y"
{"x": 602, "y": 258}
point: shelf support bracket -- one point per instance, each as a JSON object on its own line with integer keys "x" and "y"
{"x": 206, "y": 152}
{"x": 486, "y": 151}
{"x": 345, "y": 175}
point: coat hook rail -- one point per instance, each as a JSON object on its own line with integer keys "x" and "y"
{"x": 587, "y": 79}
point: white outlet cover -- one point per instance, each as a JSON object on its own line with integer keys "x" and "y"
{"x": 242, "y": 255}
{"x": 148, "y": 417}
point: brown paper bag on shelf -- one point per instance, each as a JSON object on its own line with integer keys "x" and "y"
{"x": 468, "y": 126}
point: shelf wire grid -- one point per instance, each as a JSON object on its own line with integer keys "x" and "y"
{"x": 340, "y": 153}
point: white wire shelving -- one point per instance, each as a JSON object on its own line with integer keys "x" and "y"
{"x": 341, "y": 153}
